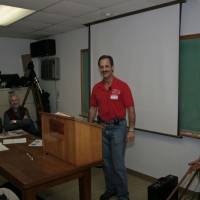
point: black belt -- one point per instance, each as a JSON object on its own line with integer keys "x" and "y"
{"x": 112, "y": 122}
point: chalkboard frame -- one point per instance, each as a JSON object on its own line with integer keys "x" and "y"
{"x": 189, "y": 117}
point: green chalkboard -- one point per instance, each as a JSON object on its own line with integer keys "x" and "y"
{"x": 85, "y": 82}
{"x": 189, "y": 85}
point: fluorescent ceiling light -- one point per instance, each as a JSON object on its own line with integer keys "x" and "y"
{"x": 9, "y": 14}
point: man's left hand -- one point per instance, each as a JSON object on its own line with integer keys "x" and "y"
{"x": 130, "y": 136}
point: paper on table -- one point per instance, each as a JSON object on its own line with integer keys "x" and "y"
{"x": 14, "y": 133}
{"x": 2, "y": 147}
{"x": 36, "y": 143}
{"x": 13, "y": 141}
{"x": 62, "y": 114}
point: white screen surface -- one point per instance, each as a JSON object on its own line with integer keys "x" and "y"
{"x": 145, "y": 49}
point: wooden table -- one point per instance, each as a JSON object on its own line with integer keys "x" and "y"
{"x": 44, "y": 171}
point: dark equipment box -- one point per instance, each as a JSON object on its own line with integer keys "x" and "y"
{"x": 161, "y": 189}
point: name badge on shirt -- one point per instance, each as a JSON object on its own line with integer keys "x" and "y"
{"x": 114, "y": 96}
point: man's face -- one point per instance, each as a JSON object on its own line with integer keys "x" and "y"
{"x": 14, "y": 102}
{"x": 105, "y": 68}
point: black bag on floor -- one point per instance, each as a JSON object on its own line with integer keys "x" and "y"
{"x": 163, "y": 188}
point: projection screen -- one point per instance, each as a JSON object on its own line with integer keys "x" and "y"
{"x": 145, "y": 49}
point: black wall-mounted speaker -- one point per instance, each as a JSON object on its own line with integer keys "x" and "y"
{"x": 43, "y": 48}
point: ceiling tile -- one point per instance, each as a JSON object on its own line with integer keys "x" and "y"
{"x": 160, "y": 1}
{"x": 47, "y": 17}
{"x": 99, "y": 3}
{"x": 30, "y": 25}
{"x": 58, "y": 29}
{"x": 129, "y": 6}
{"x": 30, "y": 4}
{"x": 76, "y": 22}
{"x": 15, "y": 30}
{"x": 70, "y": 9}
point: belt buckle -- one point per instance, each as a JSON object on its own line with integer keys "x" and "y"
{"x": 116, "y": 121}
{"x": 108, "y": 122}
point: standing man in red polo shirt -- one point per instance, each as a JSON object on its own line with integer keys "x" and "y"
{"x": 112, "y": 97}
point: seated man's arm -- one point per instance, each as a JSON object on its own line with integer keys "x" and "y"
{"x": 10, "y": 125}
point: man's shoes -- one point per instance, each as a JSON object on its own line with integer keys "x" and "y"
{"x": 107, "y": 195}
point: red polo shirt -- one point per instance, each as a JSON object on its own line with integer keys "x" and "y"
{"x": 111, "y": 103}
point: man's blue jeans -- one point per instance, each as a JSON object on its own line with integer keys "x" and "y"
{"x": 114, "y": 145}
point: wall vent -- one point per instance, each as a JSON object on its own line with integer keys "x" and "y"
{"x": 50, "y": 69}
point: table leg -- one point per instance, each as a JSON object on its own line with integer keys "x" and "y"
{"x": 28, "y": 195}
{"x": 85, "y": 185}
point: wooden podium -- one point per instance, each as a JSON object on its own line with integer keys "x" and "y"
{"x": 71, "y": 139}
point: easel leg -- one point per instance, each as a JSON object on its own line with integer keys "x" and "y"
{"x": 194, "y": 166}
{"x": 26, "y": 96}
{"x": 188, "y": 184}
{"x": 180, "y": 182}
